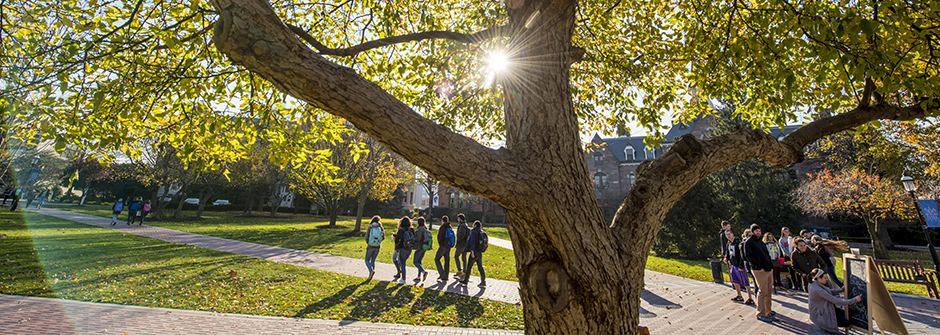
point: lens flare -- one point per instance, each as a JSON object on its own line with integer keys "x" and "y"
{"x": 497, "y": 62}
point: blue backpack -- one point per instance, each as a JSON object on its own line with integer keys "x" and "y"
{"x": 450, "y": 238}
{"x": 375, "y": 237}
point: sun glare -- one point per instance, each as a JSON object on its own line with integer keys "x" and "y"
{"x": 498, "y": 62}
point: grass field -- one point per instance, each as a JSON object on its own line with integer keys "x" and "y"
{"x": 303, "y": 232}
{"x": 52, "y": 257}
{"x": 311, "y": 233}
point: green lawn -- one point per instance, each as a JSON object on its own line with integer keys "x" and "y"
{"x": 310, "y": 233}
{"x": 58, "y": 258}
{"x": 302, "y": 232}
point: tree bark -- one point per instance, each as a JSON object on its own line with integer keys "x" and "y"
{"x": 883, "y": 233}
{"x": 877, "y": 245}
{"x": 363, "y": 192}
{"x": 84, "y": 195}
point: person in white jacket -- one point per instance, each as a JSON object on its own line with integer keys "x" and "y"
{"x": 822, "y": 303}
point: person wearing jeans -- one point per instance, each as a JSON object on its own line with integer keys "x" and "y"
{"x": 762, "y": 269}
{"x": 402, "y": 251}
{"x": 373, "y": 251}
{"x": 420, "y": 235}
{"x": 443, "y": 249}
{"x": 460, "y": 252}
{"x": 476, "y": 254}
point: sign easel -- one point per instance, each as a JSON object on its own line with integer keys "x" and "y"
{"x": 862, "y": 278}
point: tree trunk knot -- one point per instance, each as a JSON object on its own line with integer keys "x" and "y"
{"x": 552, "y": 286}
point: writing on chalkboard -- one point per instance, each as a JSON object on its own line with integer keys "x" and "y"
{"x": 856, "y": 284}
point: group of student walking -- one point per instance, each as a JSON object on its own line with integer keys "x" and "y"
{"x": 137, "y": 209}
{"x": 465, "y": 241}
{"x": 811, "y": 270}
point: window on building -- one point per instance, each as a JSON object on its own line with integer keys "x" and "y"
{"x": 629, "y": 153}
{"x": 598, "y": 159}
{"x": 650, "y": 153}
{"x": 632, "y": 178}
{"x": 600, "y": 180}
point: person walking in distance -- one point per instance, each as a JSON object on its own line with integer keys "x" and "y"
{"x": 423, "y": 243}
{"x": 146, "y": 210}
{"x": 404, "y": 243}
{"x": 375, "y": 234}
{"x": 736, "y": 262}
{"x": 132, "y": 210}
{"x": 476, "y": 244}
{"x": 762, "y": 268}
{"x": 804, "y": 261}
{"x": 446, "y": 239}
{"x": 460, "y": 255}
{"x": 116, "y": 210}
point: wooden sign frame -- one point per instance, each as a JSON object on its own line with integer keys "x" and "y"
{"x": 868, "y": 267}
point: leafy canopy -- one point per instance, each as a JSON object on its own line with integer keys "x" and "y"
{"x": 105, "y": 74}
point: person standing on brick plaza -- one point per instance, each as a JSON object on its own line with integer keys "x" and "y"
{"x": 726, "y": 227}
{"x": 446, "y": 239}
{"x": 422, "y": 237}
{"x": 375, "y": 234}
{"x": 775, "y": 256}
{"x": 404, "y": 242}
{"x": 116, "y": 210}
{"x": 475, "y": 246}
{"x": 787, "y": 247}
{"x": 460, "y": 252}
{"x": 804, "y": 261}
{"x": 762, "y": 268}
{"x": 738, "y": 273}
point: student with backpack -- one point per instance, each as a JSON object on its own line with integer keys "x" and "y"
{"x": 460, "y": 254}
{"x": 133, "y": 208}
{"x": 116, "y": 210}
{"x": 146, "y": 210}
{"x": 423, "y": 243}
{"x": 404, "y": 243}
{"x": 445, "y": 241}
{"x": 477, "y": 244}
{"x": 375, "y": 234}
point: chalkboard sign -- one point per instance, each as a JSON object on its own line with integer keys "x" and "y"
{"x": 856, "y": 284}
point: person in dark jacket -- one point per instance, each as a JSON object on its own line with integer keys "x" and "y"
{"x": 132, "y": 210}
{"x": 443, "y": 249}
{"x": 460, "y": 252}
{"x": 804, "y": 260}
{"x": 402, "y": 251}
{"x": 757, "y": 255}
{"x": 738, "y": 273}
{"x": 475, "y": 245}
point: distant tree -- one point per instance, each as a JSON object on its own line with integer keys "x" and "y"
{"x": 853, "y": 192}
{"x": 379, "y": 173}
{"x": 429, "y": 184}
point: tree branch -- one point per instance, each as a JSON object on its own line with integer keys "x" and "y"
{"x": 252, "y": 35}
{"x": 477, "y": 37}
{"x": 662, "y": 182}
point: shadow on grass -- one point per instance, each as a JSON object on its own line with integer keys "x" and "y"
{"x": 328, "y": 302}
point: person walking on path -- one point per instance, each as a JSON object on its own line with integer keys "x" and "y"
{"x": 16, "y": 199}
{"x": 757, "y": 255}
{"x": 822, "y": 304}
{"x": 477, "y": 245}
{"x": 404, "y": 242}
{"x": 42, "y": 199}
{"x": 132, "y": 210}
{"x": 827, "y": 249}
{"x": 736, "y": 263}
{"x": 460, "y": 253}
{"x": 375, "y": 234}
{"x": 446, "y": 239}
{"x": 804, "y": 261}
{"x": 116, "y": 210}
{"x": 423, "y": 243}
{"x": 146, "y": 210}
{"x": 776, "y": 256}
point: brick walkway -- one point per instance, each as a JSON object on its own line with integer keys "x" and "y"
{"x": 670, "y": 304}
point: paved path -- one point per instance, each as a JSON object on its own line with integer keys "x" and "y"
{"x": 670, "y": 304}
{"x": 499, "y": 290}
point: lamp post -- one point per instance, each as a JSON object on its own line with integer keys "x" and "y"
{"x": 911, "y": 186}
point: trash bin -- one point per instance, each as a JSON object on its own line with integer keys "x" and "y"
{"x": 717, "y": 276}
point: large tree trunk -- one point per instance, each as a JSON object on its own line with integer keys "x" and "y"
{"x": 877, "y": 245}
{"x": 883, "y": 232}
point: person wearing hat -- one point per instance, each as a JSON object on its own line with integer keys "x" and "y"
{"x": 757, "y": 255}
{"x": 822, "y": 303}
